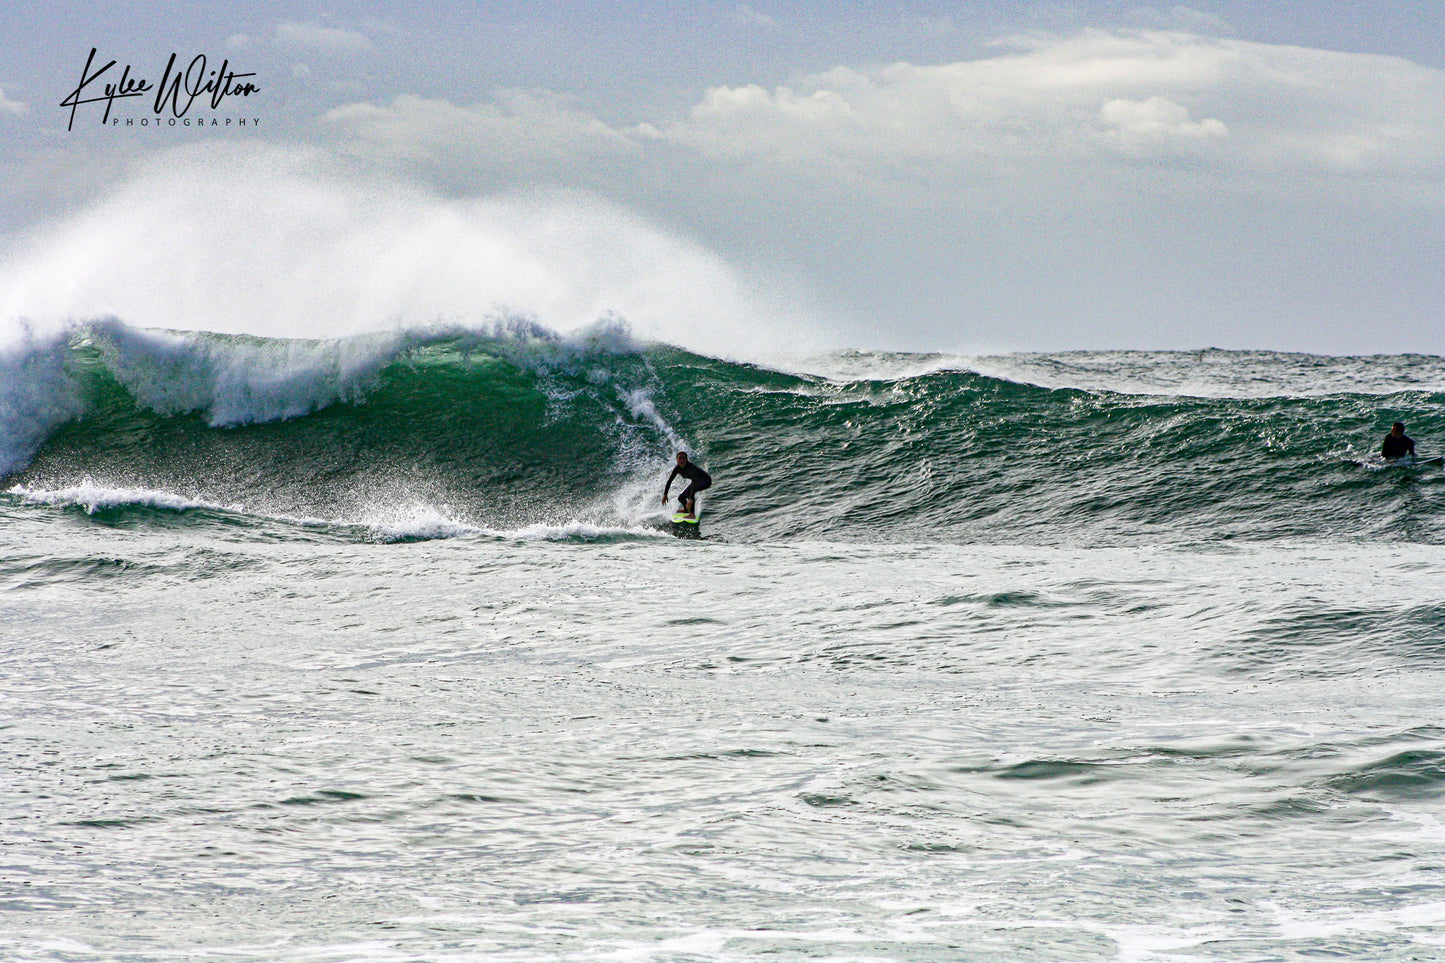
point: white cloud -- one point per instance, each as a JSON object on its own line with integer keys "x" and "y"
{"x": 751, "y": 120}
{"x": 316, "y": 37}
{"x": 935, "y": 26}
{"x": 381, "y": 28}
{"x": 1187, "y": 18}
{"x": 1156, "y": 121}
{"x": 747, "y": 16}
{"x": 517, "y": 124}
{"x": 1082, "y": 99}
{"x": 9, "y": 106}
{"x": 1067, "y": 109}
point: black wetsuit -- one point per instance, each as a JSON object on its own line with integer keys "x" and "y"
{"x": 1397, "y": 447}
{"x": 698, "y": 480}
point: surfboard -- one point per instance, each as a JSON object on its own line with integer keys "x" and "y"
{"x": 686, "y": 526}
{"x": 1378, "y": 462}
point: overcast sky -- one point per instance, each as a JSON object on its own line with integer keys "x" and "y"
{"x": 915, "y": 176}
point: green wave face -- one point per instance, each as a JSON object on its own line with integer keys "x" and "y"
{"x": 516, "y": 427}
{"x": 501, "y": 432}
{"x": 959, "y": 456}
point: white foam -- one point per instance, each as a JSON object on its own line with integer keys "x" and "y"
{"x": 575, "y": 531}
{"x": 852, "y": 366}
{"x": 417, "y": 523}
{"x": 639, "y": 403}
{"x": 427, "y": 524}
{"x": 37, "y": 393}
{"x": 94, "y": 497}
{"x": 1345, "y": 920}
{"x": 410, "y": 523}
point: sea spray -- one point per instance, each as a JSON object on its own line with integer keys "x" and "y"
{"x": 285, "y": 242}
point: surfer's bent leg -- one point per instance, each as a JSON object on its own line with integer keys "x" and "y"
{"x": 689, "y": 496}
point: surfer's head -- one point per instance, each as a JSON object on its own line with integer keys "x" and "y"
{"x": 682, "y": 458}
{"x": 1398, "y": 428}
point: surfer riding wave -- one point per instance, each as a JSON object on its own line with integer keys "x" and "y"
{"x": 698, "y": 480}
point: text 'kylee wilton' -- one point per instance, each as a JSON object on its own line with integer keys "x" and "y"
{"x": 176, "y": 93}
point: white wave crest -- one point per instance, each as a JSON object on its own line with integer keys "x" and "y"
{"x": 93, "y": 497}
{"x": 1209, "y": 373}
{"x": 238, "y": 382}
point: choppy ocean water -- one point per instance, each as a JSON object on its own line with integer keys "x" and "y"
{"x": 379, "y": 650}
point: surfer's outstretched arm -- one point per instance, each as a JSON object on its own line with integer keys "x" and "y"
{"x": 668, "y": 487}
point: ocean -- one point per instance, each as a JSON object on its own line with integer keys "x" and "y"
{"x": 381, "y": 648}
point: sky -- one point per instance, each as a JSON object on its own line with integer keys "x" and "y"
{"x": 740, "y": 178}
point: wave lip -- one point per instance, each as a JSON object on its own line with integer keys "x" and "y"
{"x": 236, "y": 380}
{"x": 38, "y": 393}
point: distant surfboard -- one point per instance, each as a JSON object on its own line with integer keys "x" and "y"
{"x": 1406, "y": 462}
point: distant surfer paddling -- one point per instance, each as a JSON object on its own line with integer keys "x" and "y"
{"x": 1398, "y": 444}
{"x": 697, "y": 480}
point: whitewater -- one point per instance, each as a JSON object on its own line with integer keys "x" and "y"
{"x": 378, "y": 647}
